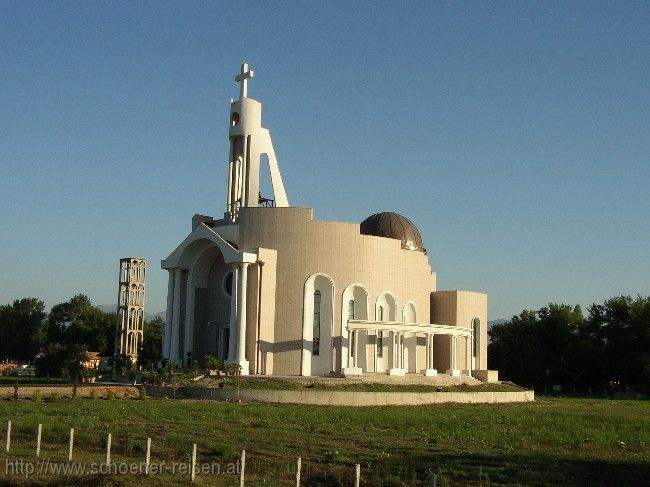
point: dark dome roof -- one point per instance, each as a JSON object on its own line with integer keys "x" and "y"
{"x": 393, "y": 225}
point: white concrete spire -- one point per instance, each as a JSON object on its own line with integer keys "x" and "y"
{"x": 242, "y": 78}
{"x": 249, "y": 143}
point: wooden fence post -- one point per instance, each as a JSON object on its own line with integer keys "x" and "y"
{"x": 8, "y": 440}
{"x": 193, "y": 463}
{"x": 243, "y": 467}
{"x": 38, "y": 440}
{"x": 71, "y": 444}
{"x": 108, "y": 449}
{"x": 147, "y": 457}
{"x": 357, "y": 475}
{"x": 298, "y": 467}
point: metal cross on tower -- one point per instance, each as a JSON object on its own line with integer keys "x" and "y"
{"x": 242, "y": 78}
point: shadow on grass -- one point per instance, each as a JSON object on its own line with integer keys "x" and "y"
{"x": 453, "y": 469}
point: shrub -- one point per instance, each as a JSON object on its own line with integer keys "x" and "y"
{"x": 93, "y": 394}
{"x": 16, "y": 390}
{"x": 110, "y": 395}
{"x": 173, "y": 366}
{"x": 149, "y": 377}
{"x": 36, "y": 395}
{"x": 53, "y": 397}
{"x": 142, "y": 393}
{"x": 133, "y": 372}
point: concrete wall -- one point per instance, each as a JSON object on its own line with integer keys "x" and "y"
{"x": 459, "y": 308}
{"x": 83, "y": 390}
{"x": 343, "y": 398}
{"x": 294, "y": 247}
{"x": 305, "y": 247}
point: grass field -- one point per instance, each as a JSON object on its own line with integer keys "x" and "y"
{"x": 549, "y": 442}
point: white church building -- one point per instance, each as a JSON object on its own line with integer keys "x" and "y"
{"x": 269, "y": 288}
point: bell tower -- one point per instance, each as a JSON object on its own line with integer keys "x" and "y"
{"x": 249, "y": 141}
{"x": 129, "y": 330}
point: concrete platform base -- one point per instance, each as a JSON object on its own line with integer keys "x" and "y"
{"x": 430, "y": 373}
{"x": 348, "y": 398}
{"x": 397, "y": 372}
{"x": 453, "y": 372}
{"x": 352, "y": 371}
{"x": 486, "y": 375}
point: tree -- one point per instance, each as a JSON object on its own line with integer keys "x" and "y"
{"x": 619, "y": 332}
{"x": 151, "y": 351}
{"x": 59, "y": 360}
{"x": 22, "y": 329}
{"x": 515, "y": 349}
{"x": 557, "y": 345}
{"x": 77, "y": 321}
{"x": 558, "y": 330}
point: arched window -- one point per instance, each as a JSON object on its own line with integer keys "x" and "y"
{"x": 380, "y": 313}
{"x": 316, "y": 342}
{"x": 227, "y": 284}
{"x": 476, "y": 331}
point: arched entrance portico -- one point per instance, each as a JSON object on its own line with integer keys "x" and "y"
{"x": 197, "y": 269}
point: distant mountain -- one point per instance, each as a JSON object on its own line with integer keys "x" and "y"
{"x": 112, "y": 308}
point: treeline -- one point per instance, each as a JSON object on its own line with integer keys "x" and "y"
{"x": 609, "y": 349}
{"x": 57, "y": 341}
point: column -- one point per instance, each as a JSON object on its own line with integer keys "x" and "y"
{"x": 241, "y": 318}
{"x": 468, "y": 354}
{"x": 350, "y": 352}
{"x": 240, "y": 322}
{"x": 175, "y": 325}
{"x": 398, "y": 355}
{"x": 394, "y": 362}
{"x": 232, "y": 340}
{"x": 454, "y": 345}
{"x": 429, "y": 371}
{"x": 453, "y": 371}
{"x": 411, "y": 349}
{"x": 400, "y": 350}
{"x": 188, "y": 339}
{"x": 353, "y": 354}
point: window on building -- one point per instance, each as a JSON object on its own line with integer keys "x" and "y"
{"x": 380, "y": 314}
{"x": 227, "y": 284}
{"x": 316, "y": 341}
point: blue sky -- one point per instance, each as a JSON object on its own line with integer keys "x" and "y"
{"x": 515, "y": 135}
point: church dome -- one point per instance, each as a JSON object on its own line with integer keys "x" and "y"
{"x": 393, "y": 225}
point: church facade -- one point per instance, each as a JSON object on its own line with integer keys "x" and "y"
{"x": 271, "y": 289}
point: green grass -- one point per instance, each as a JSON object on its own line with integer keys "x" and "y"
{"x": 282, "y": 384}
{"x": 549, "y": 442}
